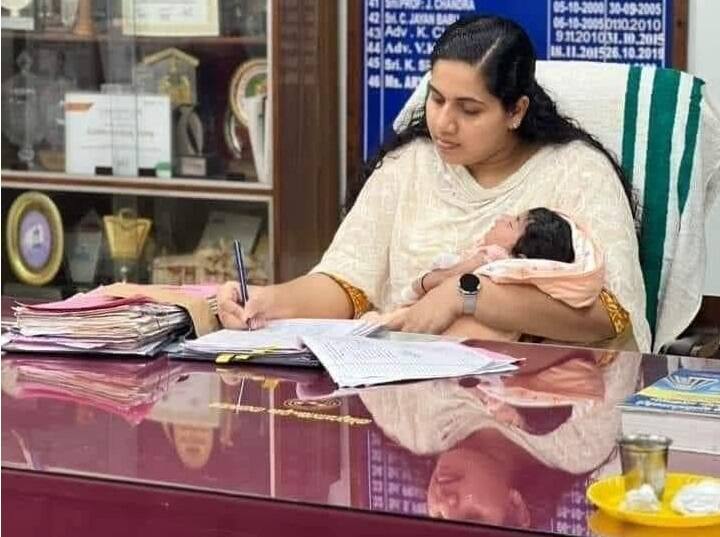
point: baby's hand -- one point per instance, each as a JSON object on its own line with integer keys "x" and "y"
{"x": 383, "y": 319}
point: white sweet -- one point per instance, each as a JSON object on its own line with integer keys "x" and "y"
{"x": 641, "y": 499}
{"x": 699, "y": 499}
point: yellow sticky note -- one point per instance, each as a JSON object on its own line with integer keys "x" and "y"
{"x": 224, "y": 358}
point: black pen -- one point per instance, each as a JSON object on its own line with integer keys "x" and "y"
{"x": 242, "y": 274}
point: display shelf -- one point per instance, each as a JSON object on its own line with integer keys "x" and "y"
{"x": 172, "y": 186}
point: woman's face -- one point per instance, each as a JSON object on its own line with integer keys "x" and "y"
{"x": 468, "y": 125}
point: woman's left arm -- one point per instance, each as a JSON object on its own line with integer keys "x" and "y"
{"x": 507, "y": 307}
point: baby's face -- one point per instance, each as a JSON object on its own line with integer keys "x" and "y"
{"x": 506, "y": 230}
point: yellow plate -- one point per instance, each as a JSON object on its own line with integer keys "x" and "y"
{"x": 607, "y": 494}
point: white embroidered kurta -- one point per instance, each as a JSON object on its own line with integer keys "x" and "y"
{"x": 415, "y": 206}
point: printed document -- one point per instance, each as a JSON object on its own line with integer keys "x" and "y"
{"x": 359, "y": 361}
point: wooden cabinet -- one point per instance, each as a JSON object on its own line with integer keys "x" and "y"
{"x": 218, "y": 185}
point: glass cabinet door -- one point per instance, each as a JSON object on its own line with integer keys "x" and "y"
{"x": 152, "y": 88}
{"x": 144, "y": 126}
{"x": 163, "y": 117}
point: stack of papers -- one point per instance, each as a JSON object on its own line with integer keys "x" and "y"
{"x": 357, "y": 361}
{"x": 280, "y": 342}
{"x": 126, "y": 389}
{"x": 94, "y": 322}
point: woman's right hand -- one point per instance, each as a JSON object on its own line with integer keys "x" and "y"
{"x": 256, "y": 312}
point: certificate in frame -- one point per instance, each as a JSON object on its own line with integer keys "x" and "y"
{"x": 170, "y": 18}
{"x": 34, "y": 238}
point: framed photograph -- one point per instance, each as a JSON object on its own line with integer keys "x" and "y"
{"x": 34, "y": 238}
{"x": 170, "y": 17}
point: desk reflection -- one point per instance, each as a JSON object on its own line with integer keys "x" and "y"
{"x": 514, "y": 450}
{"x": 506, "y": 449}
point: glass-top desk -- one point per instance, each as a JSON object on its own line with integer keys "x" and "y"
{"x": 107, "y": 447}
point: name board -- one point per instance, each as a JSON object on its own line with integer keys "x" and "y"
{"x": 399, "y": 36}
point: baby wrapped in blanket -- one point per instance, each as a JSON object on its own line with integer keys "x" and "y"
{"x": 540, "y": 247}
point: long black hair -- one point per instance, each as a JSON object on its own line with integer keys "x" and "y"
{"x": 504, "y": 54}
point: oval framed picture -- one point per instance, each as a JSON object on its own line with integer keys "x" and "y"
{"x": 34, "y": 238}
{"x": 250, "y": 79}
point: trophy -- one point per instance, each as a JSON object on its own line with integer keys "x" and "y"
{"x": 21, "y": 16}
{"x": 126, "y": 234}
{"x": 23, "y": 120}
{"x": 84, "y": 245}
{"x": 173, "y": 74}
{"x": 68, "y": 13}
{"x": 52, "y": 100}
{"x": 49, "y": 16}
{"x": 84, "y": 25}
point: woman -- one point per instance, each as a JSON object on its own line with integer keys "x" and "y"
{"x": 489, "y": 141}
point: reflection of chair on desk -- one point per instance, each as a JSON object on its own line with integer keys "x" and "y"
{"x": 667, "y": 137}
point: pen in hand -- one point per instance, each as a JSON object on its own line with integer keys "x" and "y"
{"x": 242, "y": 274}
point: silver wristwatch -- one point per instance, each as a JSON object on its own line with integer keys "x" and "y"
{"x": 469, "y": 287}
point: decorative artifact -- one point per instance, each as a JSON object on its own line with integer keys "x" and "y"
{"x": 18, "y": 18}
{"x": 126, "y": 235}
{"x": 68, "y": 12}
{"x": 23, "y": 120}
{"x": 174, "y": 74}
{"x": 209, "y": 264}
{"x": 34, "y": 238}
{"x": 50, "y": 16}
{"x": 249, "y": 80}
{"x": 232, "y": 134}
{"x": 84, "y": 25}
{"x": 84, "y": 244}
{"x": 15, "y": 6}
{"x": 52, "y": 101}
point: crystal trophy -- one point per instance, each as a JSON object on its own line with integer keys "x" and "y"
{"x": 23, "y": 120}
{"x": 51, "y": 97}
{"x": 20, "y": 16}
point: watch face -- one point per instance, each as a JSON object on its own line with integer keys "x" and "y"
{"x": 469, "y": 283}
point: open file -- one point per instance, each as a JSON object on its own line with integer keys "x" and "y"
{"x": 279, "y": 342}
{"x": 359, "y": 361}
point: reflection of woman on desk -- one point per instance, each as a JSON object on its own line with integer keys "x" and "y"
{"x": 508, "y": 448}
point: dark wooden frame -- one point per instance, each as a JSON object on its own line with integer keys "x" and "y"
{"x": 354, "y": 119}
{"x": 680, "y": 35}
{"x": 305, "y": 132}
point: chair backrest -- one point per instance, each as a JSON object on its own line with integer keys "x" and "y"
{"x": 667, "y": 138}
